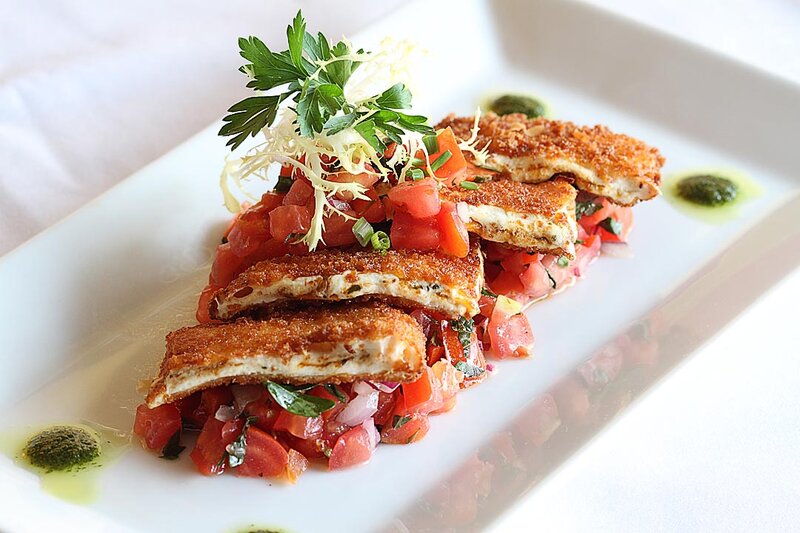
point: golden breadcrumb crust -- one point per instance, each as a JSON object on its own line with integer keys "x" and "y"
{"x": 205, "y": 350}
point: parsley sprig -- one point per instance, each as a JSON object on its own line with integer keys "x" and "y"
{"x": 312, "y": 74}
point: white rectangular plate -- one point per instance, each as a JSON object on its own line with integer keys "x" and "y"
{"x": 87, "y": 303}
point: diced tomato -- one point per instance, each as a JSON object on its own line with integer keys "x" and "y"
{"x": 227, "y": 265}
{"x": 624, "y": 217}
{"x": 447, "y": 142}
{"x": 372, "y": 210}
{"x": 187, "y": 407}
{"x": 252, "y": 226}
{"x": 209, "y": 452}
{"x": 269, "y": 201}
{"x": 414, "y": 427}
{"x": 296, "y": 466}
{"x": 202, "y": 314}
{"x": 486, "y": 304}
{"x": 510, "y": 336}
{"x": 263, "y": 456}
{"x": 289, "y": 219}
{"x": 365, "y": 179}
{"x": 300, "y": 426}
{"x": 339, "y": 230}
{"x": 414, "y": 233}
{"x": 517, "y": 262}
{"x": 536, "y": 281}
{"x": 352, "y": 448}
{"x": 210, "y": 400}
{"x": 265, "y": 412}
{"x": 300, "y": 193}
{"x": 271, "y": 248}
{"x": 420, "y": 199}
{"x": 156, "y": 426}
{"x": 419, "y": 392}
{"x": 589, "y": 222}
{"x": 497, "y": 252}
{"x": 585, "y": 253}
{"x": 455, "y": 352}
{"x": 452, "y": 231}
{"x": 386, "y": 401}
{"x": 310, "y": 448}
{"x": 507, "y": 283}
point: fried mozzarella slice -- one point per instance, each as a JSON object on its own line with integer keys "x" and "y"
{"x": 333, "y": 344}
{"x": 536, "y": 217}
{"x": 406, "y": 278}
{"x": 623, "y": 169}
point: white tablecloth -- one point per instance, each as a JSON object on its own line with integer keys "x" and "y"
{"x": 92, "y": 91}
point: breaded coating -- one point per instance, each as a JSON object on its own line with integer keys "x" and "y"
{"x": 335, "y": 344}
{"x": 406, "y": 278}
{"x": 623, "y": 169}
{"x": 535, "y": 217}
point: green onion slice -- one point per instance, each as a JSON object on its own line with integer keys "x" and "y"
{"x": 441, "y": 160}
{"x": 380, "y": 241}
{"x": 416, "y": 174}
{"x": 472, "y": 186}
{"x": 431, "y": 143}
{"x": 363, "y": 231}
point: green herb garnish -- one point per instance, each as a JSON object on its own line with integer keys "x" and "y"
{"x": 284, "y": 184}
{"x": 469, "y": 370}
{"x": 469, "y": 185}
{"x": 487, "y": 292}
{"x": 312, "y": 74}
{"x": 363, "y": 231}
{"x": 237, "y": 449}
{"x": 336, "y": 391}
{"x": 586, "y": 209}
{"x": 380, "y": 241}
{"x": 400, "y": 421}
{"x": 464, "y": 327}
{"x": 563, "y": 262}
{"x": 173, "y": 447}
{"x": 352, "y": 289}
{"x": 552, "y": 279}
{"x": 431, "y": 143}
{"x": 298, "y": 403}
{"x": 416, "y": 174}
{"x": 441, "y": 160}
{"x": 481, "y": 179}
{"x": 611, "y": 226}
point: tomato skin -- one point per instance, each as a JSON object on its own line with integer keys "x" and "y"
{"x": 251, "y": 227}
{"x": 339, "y": 230}
{"x": 266, "y": 414}
{"x": 209, "y": 450}
{"x": 227, "y": 265}
{"x": 456, "y": 163}
{"x": 623, "y": 215}
{"x": 414, "y": 233}
{"x": 420, "y": 199}
{"x": 210, "y": 400}
{"x": 508, "y": 284}
{"x": 417, "y": 393}
{"x": 386, "y": 403}
{"x": 455, "y": 354}
{"x": 372, "y": 210}
{"x": 263, "y": 457}
{"x": 156, "y": 426}
{"x": 536, "y": 281}
{"x": 415, "y": 429}
{"x": 288, "y": 219}
{"x": 510, "y": 336}
{"x": 299, "y": 426}
{"x": 296, "y": 465}
{"x": 352, "y": 448}
{"x": 300, "y": 193}
{"x": 453, "y": 231}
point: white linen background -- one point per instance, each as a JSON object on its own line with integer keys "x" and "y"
{"x": 92, "y": 91}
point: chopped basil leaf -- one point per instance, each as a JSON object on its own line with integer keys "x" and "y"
{"x": 224, "y": 239}
{"x": 470, "y": 185}
{"x": 464, "y": 327}
{"x": 552, "y": 279}
{"x": 336, "y": 391}
{"x": 363, "y": 231}
{"x": 441, "y": 160}
{"x": 586, "y": 209}
{"x": 487, "y": 292}
{"x": 481, "y": 179}
{"x": 293, "y": 238}
{"x": 469, "y": 370}
{"x": 352, "y": 289}
{"x": 284, "y": 184}
{"x": 380, "y": 241}
{"x": 611, "y": 226}
{"x": 580, "y": 241}
{"x": 410, "y": 439}
{"x": 431, "y": 143}
{"x": 416, "y": 174}
{"x": 236, "y": 449}
{"x": 563, "y": 262}
{"x": 173, "y": 447}
{"x": 400, "y": 421}
{"x": 298, "y": 403}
